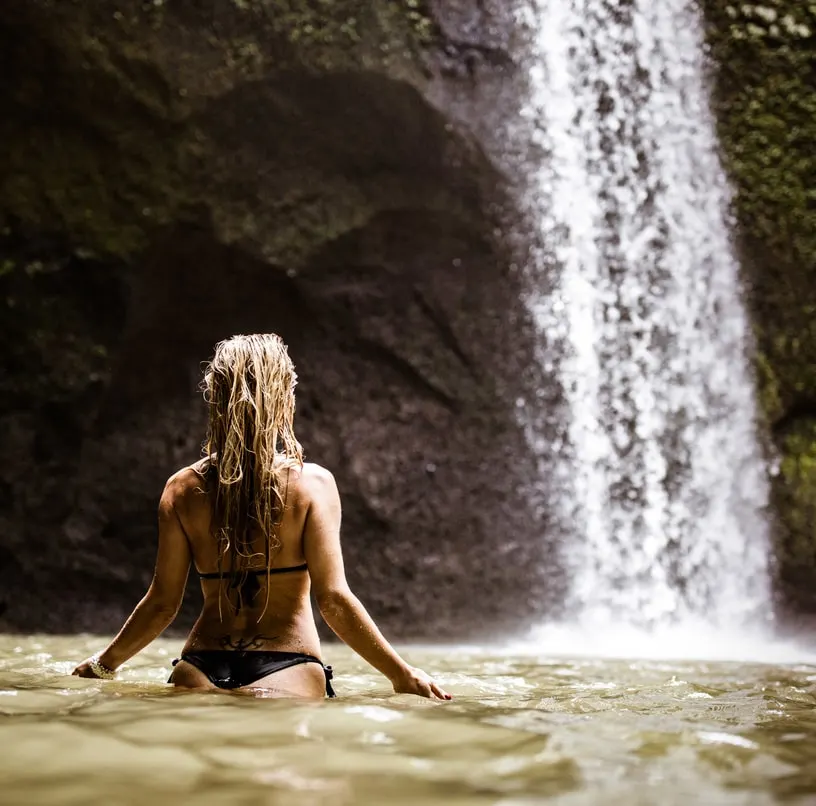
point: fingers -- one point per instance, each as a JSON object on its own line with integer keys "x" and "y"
{"x": 428, "y": 688}
{"x": 440, "y": 692}
{"x": 422, "y": 685}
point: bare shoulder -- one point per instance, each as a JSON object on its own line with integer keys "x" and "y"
{"x": 317, "y": 482}
{"x": 182, "y": 486}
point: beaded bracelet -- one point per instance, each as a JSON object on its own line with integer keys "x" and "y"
{"x": 99, "y": 668}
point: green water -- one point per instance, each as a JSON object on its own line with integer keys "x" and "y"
{"x": 522, "y": 730}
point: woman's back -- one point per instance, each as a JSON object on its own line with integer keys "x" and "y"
{"x": 250, "y": 604}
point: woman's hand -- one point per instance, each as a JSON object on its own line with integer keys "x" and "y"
{"x": 84, "y": 670}
{"x": 94, "y": 669}
{"x": 415, "y": 681}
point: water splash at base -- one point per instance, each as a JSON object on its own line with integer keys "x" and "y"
{"x": 694, "y": 640}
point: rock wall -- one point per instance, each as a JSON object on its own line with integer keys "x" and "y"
{"x": 765, "y": 88}
{"x": 174, "y": 172}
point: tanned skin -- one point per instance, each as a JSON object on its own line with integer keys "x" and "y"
{"x": 309, "y": 532}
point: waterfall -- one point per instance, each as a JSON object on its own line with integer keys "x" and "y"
{"x": 659, "y": 485}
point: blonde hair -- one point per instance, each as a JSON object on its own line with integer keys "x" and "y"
{"x": 250, "y": 448}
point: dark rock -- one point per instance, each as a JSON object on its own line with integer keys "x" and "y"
{"x": 177, "y": 172}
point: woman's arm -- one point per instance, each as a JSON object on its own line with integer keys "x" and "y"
{"x": 160, "y": 604}
{"x": 341, "y": 609}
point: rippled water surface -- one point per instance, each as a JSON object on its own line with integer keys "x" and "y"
{"x": 522, "y": 730}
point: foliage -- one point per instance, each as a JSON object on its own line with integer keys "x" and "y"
{"x": 766, "y": 105}
{"x": 764, "y": 58}
{"x": 321, "y": 23}
{"x": 797, "y": 496}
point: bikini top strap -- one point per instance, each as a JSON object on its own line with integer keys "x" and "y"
{"x": 254, "y": 572}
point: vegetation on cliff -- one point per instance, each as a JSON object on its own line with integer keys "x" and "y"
{"x": 109, "y": 140}
{"x": 114, "y": 93}
{"x": 765, "y": 68}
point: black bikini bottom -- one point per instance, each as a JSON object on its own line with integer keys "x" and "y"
{"x": 227, "y": 668}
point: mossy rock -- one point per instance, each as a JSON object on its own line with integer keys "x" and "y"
{"x": 796, "y": 496}
{"x": 329, "y": 22}
{"x": 764, "y": 63}
{"x": 766, "y": 106}
{"x": 127, "y": 82}
{"x": 175, "y": 172}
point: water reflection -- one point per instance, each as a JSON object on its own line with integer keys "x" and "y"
{"x": 520, "y": 730}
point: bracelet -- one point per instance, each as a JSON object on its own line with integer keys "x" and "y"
{"x": 99, "y": 668}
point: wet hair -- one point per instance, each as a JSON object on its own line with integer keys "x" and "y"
{"x": 250, "y": 449}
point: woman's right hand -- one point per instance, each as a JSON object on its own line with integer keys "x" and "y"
{"x": 84, "y": 670}
{"x": 415, "y": 681}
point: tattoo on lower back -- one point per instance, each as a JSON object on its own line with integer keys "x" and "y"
{"x": 243, "y": 644}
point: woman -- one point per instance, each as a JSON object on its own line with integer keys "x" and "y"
{"x": 262, "y": 529}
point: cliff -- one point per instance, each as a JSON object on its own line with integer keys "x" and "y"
{"x": 175, "y": 172}
{"x": 764, "y": 59}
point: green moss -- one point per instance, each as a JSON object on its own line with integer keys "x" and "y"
{"x": 102, "y": 178}
{"x": 70, "y": 197}
{"x": 798, "y": 473}
{"x": 766, "y": 105}
{"x": 244, "y": 55}
{"x": 769, "y": 398}
{"x": 323, "y": 24}
{"x": 765, "y": 100}
{"x": 768, "y": 136}
{"x": 418, "y": 14}
{"x": 767, "y": 112}
{"x": 118, "y": 165}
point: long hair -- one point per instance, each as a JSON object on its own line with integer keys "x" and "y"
{"x": 250, "y": 448}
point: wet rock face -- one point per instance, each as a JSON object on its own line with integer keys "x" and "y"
{"x": 179, "y": 172}
{"x": 176, "y": 172}
{"x": 766, "y": 104}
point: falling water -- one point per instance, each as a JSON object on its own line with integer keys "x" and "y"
{"x": 636, "y": 299}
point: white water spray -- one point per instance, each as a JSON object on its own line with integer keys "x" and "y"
{"x": 661, "y": 487}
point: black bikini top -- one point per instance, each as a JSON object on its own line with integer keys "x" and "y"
{"x": 246, "y": 582}
{"x": 258, "y": 572}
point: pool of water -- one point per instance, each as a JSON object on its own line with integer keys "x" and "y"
{"x": 523, "y": 729}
